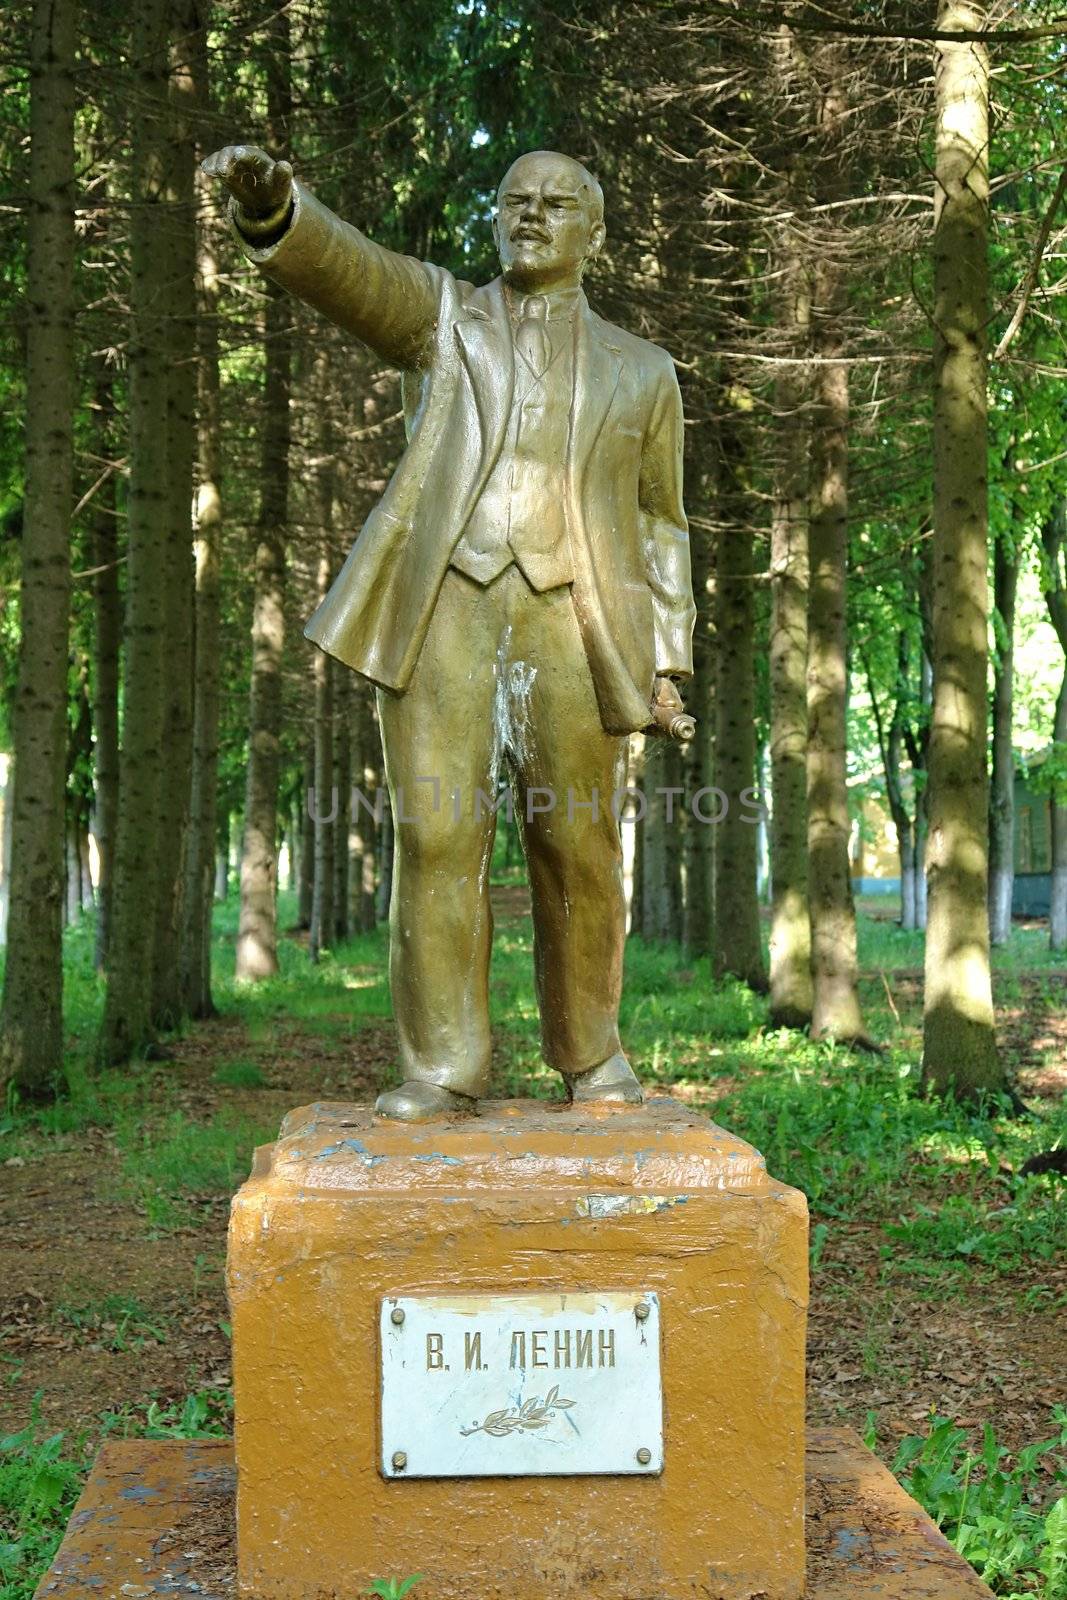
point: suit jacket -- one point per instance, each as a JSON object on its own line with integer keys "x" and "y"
{"x": 632, "y": 588}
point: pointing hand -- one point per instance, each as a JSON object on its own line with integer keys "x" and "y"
{"x": 262, "y": 187}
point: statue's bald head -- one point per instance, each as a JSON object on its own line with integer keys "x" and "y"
{"x": 549, "y": 220}
{"x": 570, "y": 171}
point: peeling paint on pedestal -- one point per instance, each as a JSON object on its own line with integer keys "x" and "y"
{"x": 525, "y": 1198}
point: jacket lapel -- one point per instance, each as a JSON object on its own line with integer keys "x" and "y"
{"x": 485, "y": 341}
{"x": 597, "y": 370}
{"x": 484, "y": 335}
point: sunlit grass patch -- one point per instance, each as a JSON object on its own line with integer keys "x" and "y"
{"x": 165, "y": 1166}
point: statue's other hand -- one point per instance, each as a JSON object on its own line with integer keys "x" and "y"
{"x": 665, "y": 694}
{"x": 261, "y": 186}
{"x": 669, "y": 715}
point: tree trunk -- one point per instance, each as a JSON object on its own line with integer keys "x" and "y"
{"x": 1054, "y": 541}
{"x": 207, "y": 549}
{"x": 697, "y": 759}
{"x": 326, "y": 813}
{"x": 835, "y": 1002}
{"x": 31, "y": 1012}
{"x": 661, "y": 885}
{"x": 72, "y": 898}
{"x": 79, "y": 789}
{"x": 180, "y": 245}
{"x": 959, "y": 1043}
{"x": 362, "y": 816}
{"x": 1058, "y": 888}
{"x": 127, "y": 1023}
{"x": 1002, "y": 787}
{"x": 674, "y": 837}
{"x": 342, "y": 781}
{"x": 107, "y": 636}
{"x": 736, "y": 947}
{"x": 836, "y": 1007}
{"x": 922, "y": 804}
{"x": 306, "y": 885}
{"x": 908, "y": 881}
{"x": 384, "y": 892}
{"x": 292, "y": 875}
{"x": 7, "y": 794}
{"x": 257, "y": 936}
{"x": 891, "y": 748}
{"x": 790, "y": 946}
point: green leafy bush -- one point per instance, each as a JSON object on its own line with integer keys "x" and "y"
{"x": 38, "y": 1487}
{"x": 997, "y": 1513}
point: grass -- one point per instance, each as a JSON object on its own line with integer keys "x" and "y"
{"x": 942, "y": 1185}
{"x": 39, "y": 1483}
{"x": 116, "y": 1321}
{"x": 205, "y": 1414}
{"x": 168, "y": 1165}
{"x": 239, "y": 1075}
{"x": 1007, "y": 1518}
{"x": 41, "y": 1476}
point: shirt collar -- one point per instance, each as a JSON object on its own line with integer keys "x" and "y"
{"x": 561, "y": 303}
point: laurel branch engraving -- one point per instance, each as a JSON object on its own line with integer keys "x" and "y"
{"x": 535, "y": 1413}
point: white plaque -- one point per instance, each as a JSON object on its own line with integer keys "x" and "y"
{"x": 514, "y": 1385}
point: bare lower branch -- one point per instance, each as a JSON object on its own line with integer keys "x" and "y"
{"x": 1034, "y": 269}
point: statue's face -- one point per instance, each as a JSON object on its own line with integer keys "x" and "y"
{"x": 546, "y": 226}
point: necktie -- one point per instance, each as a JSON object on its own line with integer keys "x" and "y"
{"x": 531, "y": 336}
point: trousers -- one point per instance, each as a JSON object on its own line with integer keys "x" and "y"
{"x": 502, "y": 691}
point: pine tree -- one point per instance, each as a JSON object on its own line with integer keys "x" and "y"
{"x": 31, "y": 1016}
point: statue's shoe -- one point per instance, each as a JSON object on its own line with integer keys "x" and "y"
{"x": 422, "y": 1102}
{"x": 613, "y": 1081}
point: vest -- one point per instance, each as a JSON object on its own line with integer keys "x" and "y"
{"x": 520, "y": 514}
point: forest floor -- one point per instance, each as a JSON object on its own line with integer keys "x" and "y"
{"x": 939, "y": 1274}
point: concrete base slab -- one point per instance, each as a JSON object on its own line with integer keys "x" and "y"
{"x": 157, "y": 1519}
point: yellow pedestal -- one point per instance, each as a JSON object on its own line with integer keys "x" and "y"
{"x": 345, "y": 1211}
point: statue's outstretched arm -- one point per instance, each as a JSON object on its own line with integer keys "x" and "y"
{"x": 387, "y": 300}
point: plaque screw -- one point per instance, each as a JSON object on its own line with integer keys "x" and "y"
{"x": 397, "y": 1315}
{"x": 644, "y": 1456}
{"x": 400, "y": 1459}
{"x": 641, "y": 1311}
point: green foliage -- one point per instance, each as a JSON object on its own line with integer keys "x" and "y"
{"x": 38, "y": 1487}
{"x": 118, "y": 1321}
{"x": 1002, "y": 1230}
{"x": 997, "y": 1513}
{"x": 40, "y": 1477}
{"x": 1050, "y": 776}
{"x": 164, "y": 1166}
{"x": 393, "y": 1588}
{"x": 239, "y": 1075}
{"x": 206, "y": 1414}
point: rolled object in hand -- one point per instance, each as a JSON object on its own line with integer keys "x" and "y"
{"x": 675, "y": 724}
